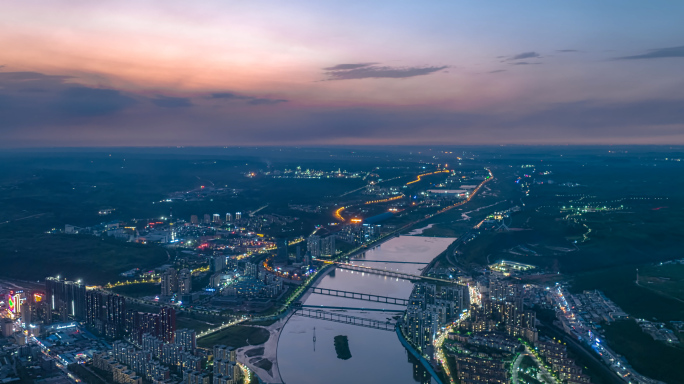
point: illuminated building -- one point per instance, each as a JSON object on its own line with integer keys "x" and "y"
{"x": 313, "y": 245}
{"x": 169, "y": 282}
{"x": 184, "y": 281}
{"x": 238, "y": 216}
{"x": 222, "y": 352}
{"x": 161, "y": 325}
{"x": 328, "y": 246}
{"x": 167, "y": 324}
{"x": 7, "y": 327}
{"x": 282, "y": 254}
{"x": 229, "y": 217}
{"x": 186, "y": 338}
{"x": 114, "y": 316}
{"x": 216, "y": 219}
{"x": 218, "y": 263}
{"x": 67, "y": 298}
{"x": 93, "y": 308}
{"x": 106, "y": 313}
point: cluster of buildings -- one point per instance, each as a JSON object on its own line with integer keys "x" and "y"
{"x": 216, "y": 218}
{"x": 595, "y": 307}
{"x": 658, "y": 331}
{"x": 299, "y": 173}
{"x": 502, "y": 310}
{"x": 255, "y": 283}
{"x": 317, "y": 246}
{"x": 153, "y": 360}
{"x": 176, "y": 282}
{"x": 555, "y": 354}
{"x": 105, "y": 313}
{"x": 484, "y": 343}
{"x": 358, "y": 234}
{"x": 430, "y": 308}
{"x": 580, "y": 316}
{"x": 481, "y": 368}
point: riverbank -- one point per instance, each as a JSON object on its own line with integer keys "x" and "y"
{"x": 426, "y": 364}
{"x": 256, "y": 356}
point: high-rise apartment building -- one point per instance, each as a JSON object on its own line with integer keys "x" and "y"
{"x": 313, "y": 245}
{"x": 169, "y": 282}
{"x": 328, "y": 246}
{"x": 184, "y": 281}
{"x": 67, "y": 298}
{"x": 218, "y": 263}
{"x": 186, "y": 338}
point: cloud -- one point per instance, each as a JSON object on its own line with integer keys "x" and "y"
{"x": 84, "y": 101}
{"x": 35, "y": 98}
{"x": 523, "y": 63}
{"x": 659, "y": 53}
{"x": 228, "y": 95}
{"x": 171, "y": 102}
{"x": 373, "y": 71}
{"x": 567, "y": 50}
{"x": 593, "y": 114}
{"x": 525, "y": 55}
{"x": 497, "y": 71}
{"x": 346, "y": 67}
{"x": 256, "y": 101}
{"x": 251, "y": 100}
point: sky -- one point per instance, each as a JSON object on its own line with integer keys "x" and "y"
{"x": 228, "y": 73}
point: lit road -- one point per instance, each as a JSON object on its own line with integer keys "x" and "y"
{"x": 516, "y": 368}
{"x": 544, "y": 374}
{"x": 427, "y": 174}
{"x": 223, "y": 326}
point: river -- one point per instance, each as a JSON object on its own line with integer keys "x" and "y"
{"x": 377, "y": 356}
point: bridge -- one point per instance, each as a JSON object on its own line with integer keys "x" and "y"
{"x": 388, "y": 261}
{"x": 353, "y": 308}
{"x": 346, "y": 319}
{"x": 360, "y": 296}
{"x": 386, "y": 272}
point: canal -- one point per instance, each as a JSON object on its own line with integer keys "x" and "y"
{"x": 343, "y": 353}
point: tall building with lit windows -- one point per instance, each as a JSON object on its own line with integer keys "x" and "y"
{"x": 169, "y": 282}
{"x": 167, "y": 324}
{"x": 67, "y": 298}
{"x": 328, "y": 246}
{"x": 187, "y": 338}
{"x": 184, "y": 281}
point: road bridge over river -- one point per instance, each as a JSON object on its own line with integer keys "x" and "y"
{"x": 359, "y": 296}
{"x": 346, "y": 319}
{"x": 387, "y": 272}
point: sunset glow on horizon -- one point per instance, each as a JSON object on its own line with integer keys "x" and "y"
{"x": 83, "y": 73}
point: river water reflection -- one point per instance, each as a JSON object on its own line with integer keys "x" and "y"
{"x": 377, "y": 355}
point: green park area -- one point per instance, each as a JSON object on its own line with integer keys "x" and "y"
{"x": 619, "y": 285}
{"x": 196, "y": 324}
{"x": 138, "y": 290}
{"x": 236, "y": 337}
{"x": 91, "y": 259}
{"x": 666, "y": 279}
{"x": 649, "y": 357}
